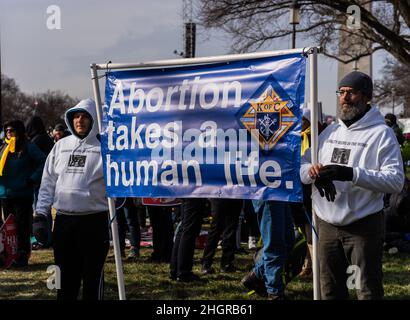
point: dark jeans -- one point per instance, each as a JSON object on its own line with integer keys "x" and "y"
{"x": 142, "y": 216}
{"x": 357, "y": 244}
{"x": 225, "y": 217}
{"x": 128, "y": 215}
{"x": 22, "y": 209}
{"x": 80, "y": 247}
{"x": 251, "y": 221}
{"x": 184, "y": 244}
{"x": 301, "y": 221}
{"x": 162, "y": 232}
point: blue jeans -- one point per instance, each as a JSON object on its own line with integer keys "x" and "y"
{"x": 276, "y": 227}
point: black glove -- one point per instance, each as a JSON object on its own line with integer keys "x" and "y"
{"x": 326, "y": 188}
{"x": 336, "y": 172}
{"x": 40, "y": 228}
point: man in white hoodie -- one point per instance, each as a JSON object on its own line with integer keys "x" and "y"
{"x": 359, "y": 160}
{"x": 73, "y": 184}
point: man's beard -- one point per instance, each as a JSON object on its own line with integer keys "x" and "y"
{"x": 352, "y": 111}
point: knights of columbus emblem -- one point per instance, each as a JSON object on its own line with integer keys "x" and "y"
{"x": 271, "y": 116}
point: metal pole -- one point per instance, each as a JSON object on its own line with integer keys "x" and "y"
{"x": 202, "y": 60}
{"x": 393, "y": 101}
{"x": 111, "y": 204}
{"x": 117, "y": 250}
{"x": 314, "y": 146}
{"x": 294, "y": 36}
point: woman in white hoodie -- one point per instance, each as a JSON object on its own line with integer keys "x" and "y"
{"x": 359, "y": 160}
{"x": 73, "y": 184}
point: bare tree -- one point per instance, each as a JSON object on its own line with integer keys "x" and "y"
{"x": 13, "y": 101}
{"x": 253, "y": 24}
{"x": 50, "y": 106}
{"x": 393, "y": 89}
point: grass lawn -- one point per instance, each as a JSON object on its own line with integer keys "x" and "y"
{"x": 149, "y": 281}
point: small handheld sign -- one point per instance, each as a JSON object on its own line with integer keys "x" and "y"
{"x": 8, "y": 242}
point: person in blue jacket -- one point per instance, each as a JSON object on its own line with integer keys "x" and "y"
{"x": 21, "y": 167}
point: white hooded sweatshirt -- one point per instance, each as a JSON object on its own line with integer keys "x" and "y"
{"x": 73, "y": 181}
{"x": 371, "y": 148}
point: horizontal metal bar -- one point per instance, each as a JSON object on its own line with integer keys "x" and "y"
{"x": 203, "y": 60}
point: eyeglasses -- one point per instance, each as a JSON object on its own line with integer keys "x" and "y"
{"x": 10, "y": 130}
{"x": 347, "y": 92}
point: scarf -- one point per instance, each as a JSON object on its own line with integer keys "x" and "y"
{"x": 305, "y": 140}
{"x": 11, "y": 147}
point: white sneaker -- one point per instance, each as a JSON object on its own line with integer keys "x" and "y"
{"x": 252, "y": 243}
{"x": 220, "y": 244}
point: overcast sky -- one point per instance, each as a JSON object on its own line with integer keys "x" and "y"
{"x": 120, "y": 31}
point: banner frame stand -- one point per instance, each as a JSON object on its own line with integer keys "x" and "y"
{"x": 311, "y": 52}
{"x": 314, "y": 158}
{"x": 111, "y": 204}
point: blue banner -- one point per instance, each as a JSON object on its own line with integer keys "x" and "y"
{"x": 220, "y": 130}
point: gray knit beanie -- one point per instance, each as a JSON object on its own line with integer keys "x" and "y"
{"x": 359, "y": 81}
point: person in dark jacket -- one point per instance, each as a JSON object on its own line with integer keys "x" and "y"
{"x": 37, "y": 134}
{"x": 21, "y": 166}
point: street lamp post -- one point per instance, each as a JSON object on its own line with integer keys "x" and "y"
{"x": 294, "y": 19}
{"x": 393, "y": 101}
{"x": 391, "y": 92}
{"x": 35, "y": 105}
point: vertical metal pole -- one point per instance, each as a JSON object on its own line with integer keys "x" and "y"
{"x": 393, "y": 101}
{"x": 314, "y": 147}
{"x": 111, "y": 204}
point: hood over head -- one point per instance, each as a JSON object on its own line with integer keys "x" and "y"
{"x": 88, "y": 106}
{"x": 35, "y": 126}
{"x": 390, "y": 119}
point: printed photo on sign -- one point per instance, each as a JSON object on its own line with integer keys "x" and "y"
{"x": 77, "y": 161}
{"x": 340, "y": 156}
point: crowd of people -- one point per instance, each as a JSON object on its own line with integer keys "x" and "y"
{"x": 359, "y": 169}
